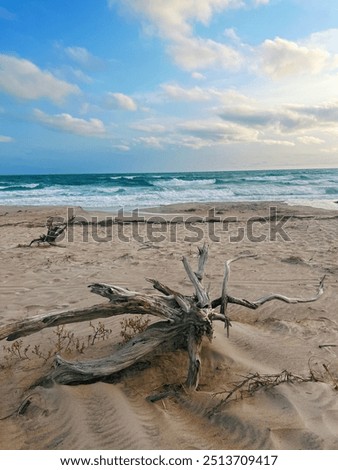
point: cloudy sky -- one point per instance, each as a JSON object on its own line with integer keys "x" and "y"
{"x": 167, "y": 85}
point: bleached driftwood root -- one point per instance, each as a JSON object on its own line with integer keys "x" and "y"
{"x": 54, "y": 231}
{"x": 185, "y": 321}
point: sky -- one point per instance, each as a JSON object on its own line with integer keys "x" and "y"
{"x": 92, "y": 86}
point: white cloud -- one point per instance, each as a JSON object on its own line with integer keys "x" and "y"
{"x": 79, "y": 75}
{"x": 122, "y": 147}
{"x": 23, "y": 79}
{"x": 251, "y": 116}
{"x": 231, "y": 34}
{"x": 78, "y": 54}
{"x": 310, "y": 140}
{"x": 233, "y": 97}
{"x": 67, "y": 123}
{"x": 320, "y": 39}
{"x": 331, "y": 150}
{"x": 194, "y": 142}
{"x": 148, "y": 127}
{"x": 173, "y": 21}
{"x": 298, "y": 122}
{"x": 173, "y": 18}
{"x": 327, "y": 113}
{"x": 6, "y": 139}
{"x": 153, "y": 142}
{"x": 179, "y": 93}
{"x": 217, "y": 132}
{"x": 286, "y": 118}
{"x": 83, "y": 57}
{"x": 120, "y": 101}
{"x": 199, "y": 53}
{"x": 198, "y": 76}
{"x": 280, "y": 58}
{"x": 209, "y": 134}
{"x": 285, "y": 143}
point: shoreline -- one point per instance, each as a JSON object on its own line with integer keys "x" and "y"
{"x": 172, "y": 213}
{"x": 315, "y": 204}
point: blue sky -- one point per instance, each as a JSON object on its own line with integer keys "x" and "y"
{"x": 167, "y": 85}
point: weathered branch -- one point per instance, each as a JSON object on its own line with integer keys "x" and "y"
{"x": 201, "y": 294}
{"x": 262, "y": 300}
{"x": 194, "y": 348}
{"x": 224, "y": 297}
{"x": 293, "y": 300}
{"x": 53, "y": 231}
{"x": 161, "y": 287}
{"x": 72, "y": 372}
{"x": 202, "y": 260}
{"x": 180, "y": 299}
{"x": 31, "y": 325}
{"x": 122, "y": 302}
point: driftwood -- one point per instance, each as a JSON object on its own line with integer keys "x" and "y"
{"x": 185, "y": 321}
{"x": 54, "y": 230}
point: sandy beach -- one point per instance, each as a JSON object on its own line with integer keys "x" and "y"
{"x": 286, "y": 256}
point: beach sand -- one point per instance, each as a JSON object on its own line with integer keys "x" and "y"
{"x": 276, "y": 337}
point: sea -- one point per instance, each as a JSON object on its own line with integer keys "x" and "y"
{"x": 316, "y": 187}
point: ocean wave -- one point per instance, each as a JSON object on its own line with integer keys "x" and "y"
{"x": 141, "y": 181}
{"x": 333, "y": 191}
{"x": 114, "y": 190}
{"x": 185, "y": 182}
{"x": 268, "y": 178}
{"x": 21, "y": 187}
{"x": 124, "y": 177}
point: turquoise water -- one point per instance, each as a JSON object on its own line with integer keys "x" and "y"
{"x": 112, "y": 191}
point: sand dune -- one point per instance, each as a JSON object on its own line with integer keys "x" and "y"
{"x": 277, "y": 336}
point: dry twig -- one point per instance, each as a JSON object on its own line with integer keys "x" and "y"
{"x": 255, "y": 381}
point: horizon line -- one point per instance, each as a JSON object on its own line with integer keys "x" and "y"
{"x": 170, "y": 172}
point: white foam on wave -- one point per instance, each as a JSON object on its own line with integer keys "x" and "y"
{"x": 30, "y": 185}
{"x": 122, "y": 177}
{"x": 184, "y": 183}
{"x": 113, "y": 190}
{"x": 273, "y": 178}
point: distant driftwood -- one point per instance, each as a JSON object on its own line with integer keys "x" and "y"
{"x": 185, "y": 321}
{"x": 54, "y": 230}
